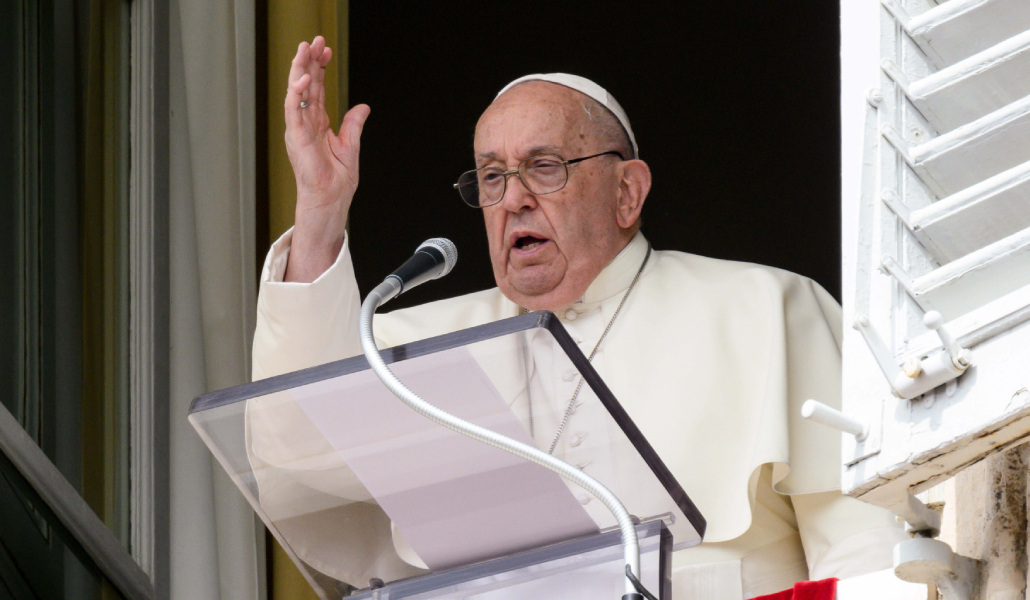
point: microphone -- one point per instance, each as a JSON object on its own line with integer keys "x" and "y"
{"x": 432, "y": 260}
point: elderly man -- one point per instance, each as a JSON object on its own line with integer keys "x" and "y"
{"x": 712, "y": 359}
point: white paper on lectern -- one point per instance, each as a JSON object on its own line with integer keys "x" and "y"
{"x": 455, "y": 500}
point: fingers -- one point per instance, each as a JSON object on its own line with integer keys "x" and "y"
{"x": 300, "y": 86}
{"x": 307, "y": 81}
{"x": 298, "y": 83}
{"x": 317, "y": 46}
{"x": 353, "y": 124}
{"x": 300, "y": 61}
{"x": 327, "y": 55}
{"x": 314, "y": 68}
{"x": 346, "y": 145}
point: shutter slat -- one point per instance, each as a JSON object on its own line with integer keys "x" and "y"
{"x": 972, "y": 153}
{"x": 972, "y": 88}
{"x": 965, "y": 285}
{"x": 973, "y": 218}
{"x": 958, "y": 29}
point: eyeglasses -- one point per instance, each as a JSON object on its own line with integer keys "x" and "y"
{"x": 543, "y": 174}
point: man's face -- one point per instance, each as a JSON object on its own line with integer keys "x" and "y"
{"x": 547, "y": 249}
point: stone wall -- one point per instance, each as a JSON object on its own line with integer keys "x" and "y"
{"x": 985, "y": 518}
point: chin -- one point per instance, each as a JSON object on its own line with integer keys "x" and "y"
{"x": 542, "y": 298}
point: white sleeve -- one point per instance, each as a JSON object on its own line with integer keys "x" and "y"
{"x": 301, "y": 325}
{"x": 854, "y": 542}
{"x": 306, "y": 490}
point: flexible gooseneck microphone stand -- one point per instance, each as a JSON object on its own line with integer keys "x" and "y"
{"x": 389, "y": 289}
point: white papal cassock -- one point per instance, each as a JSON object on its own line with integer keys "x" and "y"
{"x": 712, "y": 359}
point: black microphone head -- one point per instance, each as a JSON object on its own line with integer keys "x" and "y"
{"x": 447, "y": 248}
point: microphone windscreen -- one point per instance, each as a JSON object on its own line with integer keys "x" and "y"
{"x": 447, "y": 248}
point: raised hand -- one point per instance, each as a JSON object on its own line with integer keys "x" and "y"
{"x": 325, "y": 164}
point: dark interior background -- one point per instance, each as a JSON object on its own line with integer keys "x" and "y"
{"x": 736, "y": 111}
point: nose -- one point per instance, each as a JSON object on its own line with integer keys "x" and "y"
{"x": 516, "y": 195}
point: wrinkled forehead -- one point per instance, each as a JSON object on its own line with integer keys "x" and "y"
{"x": 529, "y": 118}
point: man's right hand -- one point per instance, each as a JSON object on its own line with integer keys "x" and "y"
{"x": 325, "y": 164}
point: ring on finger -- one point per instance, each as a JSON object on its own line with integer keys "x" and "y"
{"x": 303, "y": 103}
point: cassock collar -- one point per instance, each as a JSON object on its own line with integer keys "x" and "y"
{"x": 619, "y": 273}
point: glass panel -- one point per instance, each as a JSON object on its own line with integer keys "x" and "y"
{"x": 103, "y": 244}
{"x": 64, "y": 308}
{"x": 20, "y": 217}
{"x": 23, "y": 359}
{"x": 64, "y": 315}
{"x": 355, "y": 485}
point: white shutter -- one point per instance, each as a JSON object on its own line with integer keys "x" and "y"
{"x": 936, "y": 205}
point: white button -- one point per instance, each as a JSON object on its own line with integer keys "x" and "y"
{"x": 575, "y": 440}
{"x": 571, "y": 314}
{"x": 568, "y": 375}
{"x": 583, "y": 499}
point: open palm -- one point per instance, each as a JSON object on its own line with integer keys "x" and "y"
{"x": 325, "y": 164}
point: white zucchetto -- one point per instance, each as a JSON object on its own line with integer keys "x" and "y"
{"x": 585, "y": 86}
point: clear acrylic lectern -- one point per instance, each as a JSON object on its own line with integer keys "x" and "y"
{"x": 370, "y": 498}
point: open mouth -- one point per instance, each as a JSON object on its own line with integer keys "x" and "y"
{"x": 529, "y": 242}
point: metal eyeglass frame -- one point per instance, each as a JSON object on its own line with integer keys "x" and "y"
{"x": 518, "y": 170}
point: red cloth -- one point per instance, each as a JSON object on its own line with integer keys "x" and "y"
{"x": 807, "y": 590}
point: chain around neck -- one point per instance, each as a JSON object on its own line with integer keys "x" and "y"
{"x": 572, "y": 401}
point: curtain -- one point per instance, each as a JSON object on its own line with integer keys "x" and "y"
{"x": 217, "y": 550}
{"x": 290, "y": 22}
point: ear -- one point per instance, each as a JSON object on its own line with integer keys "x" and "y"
{"x": 634, "y": 185}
